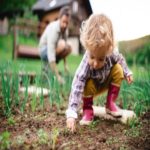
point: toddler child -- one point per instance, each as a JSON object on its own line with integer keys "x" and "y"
{"x": 102, "y": 68}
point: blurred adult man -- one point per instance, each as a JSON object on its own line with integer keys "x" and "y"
{"x": 53, "y": 46}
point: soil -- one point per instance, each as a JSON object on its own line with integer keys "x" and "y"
{"x": 51, "y": 123}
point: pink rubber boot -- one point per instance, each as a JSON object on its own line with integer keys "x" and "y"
{"x": 88, "y": 114}
{"x": 111, "y": 107}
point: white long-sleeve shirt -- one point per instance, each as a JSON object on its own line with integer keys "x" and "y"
{"x": 49, "y": 39}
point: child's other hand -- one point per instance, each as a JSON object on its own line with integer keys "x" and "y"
{"x": 129, "y": 79}
{"x": 71, "y": 124}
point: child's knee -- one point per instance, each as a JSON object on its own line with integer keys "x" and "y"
{"x": 90, "y": 88}
{"x": 117, "y": 71}
{"x": 117, "y": 74}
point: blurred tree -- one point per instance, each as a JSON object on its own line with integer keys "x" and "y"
{"x": 12, "y": 8}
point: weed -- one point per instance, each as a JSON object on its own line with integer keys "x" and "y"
{"x": 11, "y": 121}
{"x": 6, "y": 90}
{"x": 19, "y": 140}
{"x": 94, "y": 124}
{"x": 133, "y": 122}
{"x": 133, "y": 132}
{"x": 33, "y": 102}
{"x": 54, "y": 137}
{"x": 26, "y": 84}
{"x": 112, "y": 140}
{"x": 43, "y": 136}
{"x": 123, "y": 148}
{"x": 5, "y": 140}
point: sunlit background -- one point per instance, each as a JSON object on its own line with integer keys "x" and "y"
{"x": 130, "y": 17}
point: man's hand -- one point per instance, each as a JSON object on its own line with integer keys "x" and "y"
{"x": 66, "y": 69}
{"x": 71, "y": 124}
{"x": 60, "y": 79}
{"x": 129, "y": 79}
{"x": 55, "y": 70}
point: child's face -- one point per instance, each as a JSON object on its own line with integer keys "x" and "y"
{"x": 97, "y": 58}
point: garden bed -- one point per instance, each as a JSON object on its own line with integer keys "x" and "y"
{"x": 47, "y": 130}
{"x": 30, "y": 121}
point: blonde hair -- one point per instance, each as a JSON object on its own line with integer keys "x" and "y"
{"x": 97, "y": 31}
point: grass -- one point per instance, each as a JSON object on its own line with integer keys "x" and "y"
{"x": 10, "y": 85}
{"x": 29, "y": 65}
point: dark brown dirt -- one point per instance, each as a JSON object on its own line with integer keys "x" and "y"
{"x": 100, "y": 135}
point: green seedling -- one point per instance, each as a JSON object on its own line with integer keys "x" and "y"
{"x": 11, "y": 121}
{"x": 112, "y": 140}
{"x": 54, "y": 137}
{"x": 43, "y": 136}
{"x": 5, "y": 140}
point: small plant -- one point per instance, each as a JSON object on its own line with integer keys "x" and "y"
{"x": 94, "y": 124}
{"x": 54, "y": 137}
{"x": 5, "y": 140}
{"x": 33, "y": 102}
{"x": 19, "y": 140}
{"x": 112, "y": 140}
{"x": 6, "y": 90}
{"x": 123, "y": 148}
{"x": 133, "y": 122}
{"x": 11, "y": 121}
{"x": 26, "y": 84}
{"x": 43, "y": 136}
{"x": 133, "y": 132}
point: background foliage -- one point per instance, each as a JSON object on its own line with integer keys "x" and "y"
{"x": 13, "y": 5}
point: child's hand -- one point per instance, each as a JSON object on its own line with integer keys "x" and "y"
{"x": 71, "y": 124}
{"x": 129, "y": 79}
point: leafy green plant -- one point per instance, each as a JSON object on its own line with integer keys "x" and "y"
{"x": 19, "y": 140}
{"x": 5, "y": 140}
{"x": 6, "y": 89}
{"x": 11, "y": 120}
{"x": 54, "y": 137}
{"x": 94, "y": 124}
{"x": 25, "y": 84}
{"x": 133, "y": 122}
{"x": 141, "y": 56}
{"x": 133, "y": 132}
{"x": 43, "y": 136}
{"x": 33, "y": 102}
{"x": 112, "y": 140}
{"x": 15, "y": 87}
{"x": 38, "y": 83}
{"x": 136, "y": 96}
{"x": 123, "y": 148}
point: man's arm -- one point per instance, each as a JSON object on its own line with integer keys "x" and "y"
{"x": 52, "y": 37}
{"x": 55, "y": 70}
{"x": 65, "y": 65}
